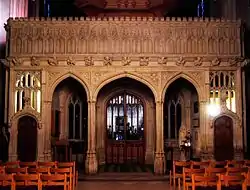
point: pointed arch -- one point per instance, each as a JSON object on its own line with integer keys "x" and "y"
{"x": 65, "y": 76}
{"x": 123, "y": 75}
{"x": 184, "y": 76}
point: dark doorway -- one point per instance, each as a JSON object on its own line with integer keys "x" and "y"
{"x": 223, "y": 138}
{"x": 27, "y": 139}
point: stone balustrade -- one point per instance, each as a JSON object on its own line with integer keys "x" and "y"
{"x": 146, "y": 36}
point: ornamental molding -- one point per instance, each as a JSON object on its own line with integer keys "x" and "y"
{"x": 90, "y": 60}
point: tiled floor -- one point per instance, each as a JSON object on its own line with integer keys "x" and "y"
{"x": 123, "y": 185}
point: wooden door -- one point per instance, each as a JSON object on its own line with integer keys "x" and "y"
{"x": 125, "y": 130}
{"x": 27, "y": 139}
{"x": 223, "y": 138}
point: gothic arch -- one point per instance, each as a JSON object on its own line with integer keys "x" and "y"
{"x": 29, "y": 111}
{"x": 65, "y": 76}
{"x": 129, "y": 75}
{"x": 184, "y": 76}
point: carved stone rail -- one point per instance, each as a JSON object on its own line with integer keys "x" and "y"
{"x": 145, "y": 36}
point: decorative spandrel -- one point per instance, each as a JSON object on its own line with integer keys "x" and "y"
{"x": 125, "y": 118}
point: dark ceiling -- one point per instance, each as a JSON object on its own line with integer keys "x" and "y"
{"x": 182, "y": 8}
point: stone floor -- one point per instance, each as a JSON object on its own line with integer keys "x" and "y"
{"x": 123, "y": 185}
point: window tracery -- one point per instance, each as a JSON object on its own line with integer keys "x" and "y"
{"x": 75, "y": 118}
{"x": 174, "y": 117}
{"x": 28, "y": 85}
{"x": 223, "y": 81}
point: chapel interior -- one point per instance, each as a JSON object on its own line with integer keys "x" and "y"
{"x": 102, "y": 84}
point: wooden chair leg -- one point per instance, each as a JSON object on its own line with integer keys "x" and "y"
{"x": 179, "y": 183}
{"x": 170, "y": 178}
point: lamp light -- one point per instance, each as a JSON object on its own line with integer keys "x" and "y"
{"x": 213, "y": 110}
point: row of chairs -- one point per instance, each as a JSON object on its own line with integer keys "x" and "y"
{"x": 54, "y": 170}
{"x": 183, "y": 170}
{"x": 34, "y": 180}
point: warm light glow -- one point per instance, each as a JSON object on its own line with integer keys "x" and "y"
{"x": 213, "y": 109}
{"x": 38, "y": 101}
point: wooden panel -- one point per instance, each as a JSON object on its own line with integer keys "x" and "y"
{"x": 120, "y": 152}
{"x": 223, "y": 138}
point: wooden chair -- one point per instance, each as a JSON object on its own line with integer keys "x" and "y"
{"x": 6, "y": 180}
{"x": 218, "y": 164}
{"x": 199, "y": 165}
{"x": 54, "y": 180}
{"x": 47, "y": 164}
{"x": 39, "y": 170}
{"x": 27, "y": 180}
{"x": 14, "y": 164}
{"x": 230, "y": 181}
{"x": 2, "y": 169}
{"x": 204, "y": 181}
{"x": 236, "y": 171}
{"x": 215, "y": 171}
{"x": 247, "y": 163}
{"x": 187, "y": 176}
{"x": 16, "y": 170}
{"x": 235, "y": 163}
{"x": 67, "y": 171}
{"x": 28, "y": 164}
{"x": 177, "y": 172}
{"x": 74, "y": 172}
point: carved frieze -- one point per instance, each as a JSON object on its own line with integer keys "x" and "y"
{"x": 88, "y": 61}
{"x": 144, "y": 61}
{"x": 53, "y": 61}
{"x": 215, "y": 62}
{"x": 71, "y": 61}
{"x": 34, "y": 61}
{"x": 124, "y": 36}
{"x": 162, "y": 60}
{"x": 126, "y": 61}
{"x": 107, "y": 61}
{"x": 180, "y": 61}
{"x": 198, "y": 61}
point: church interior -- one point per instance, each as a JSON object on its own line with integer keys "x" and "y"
{"x": 124, "y": 86}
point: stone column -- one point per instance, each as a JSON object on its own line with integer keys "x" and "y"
{"x": 12, "y": 124}
{"x": 46, "y": 117}
{"x": 19, "y": 8}
{"x": 159, "y": 162}
{"x": 150, "y": 134}
{"x": 91, "y": 164}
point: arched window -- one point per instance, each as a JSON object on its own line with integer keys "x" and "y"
{"x": 125, "y": 117}
{"x": 28, "y": 82}
{"x": 75, "y": 118}
{"x": 219, "y": 81}
{"x": 174, "y": 117}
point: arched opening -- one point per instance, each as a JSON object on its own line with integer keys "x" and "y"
{"x": 125, "y": 124}
{"x": 69, "y": 121}
{"x": 27, "y": 139}
{"x": 223, "y": 138}
{"x": 181, "y": 111}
